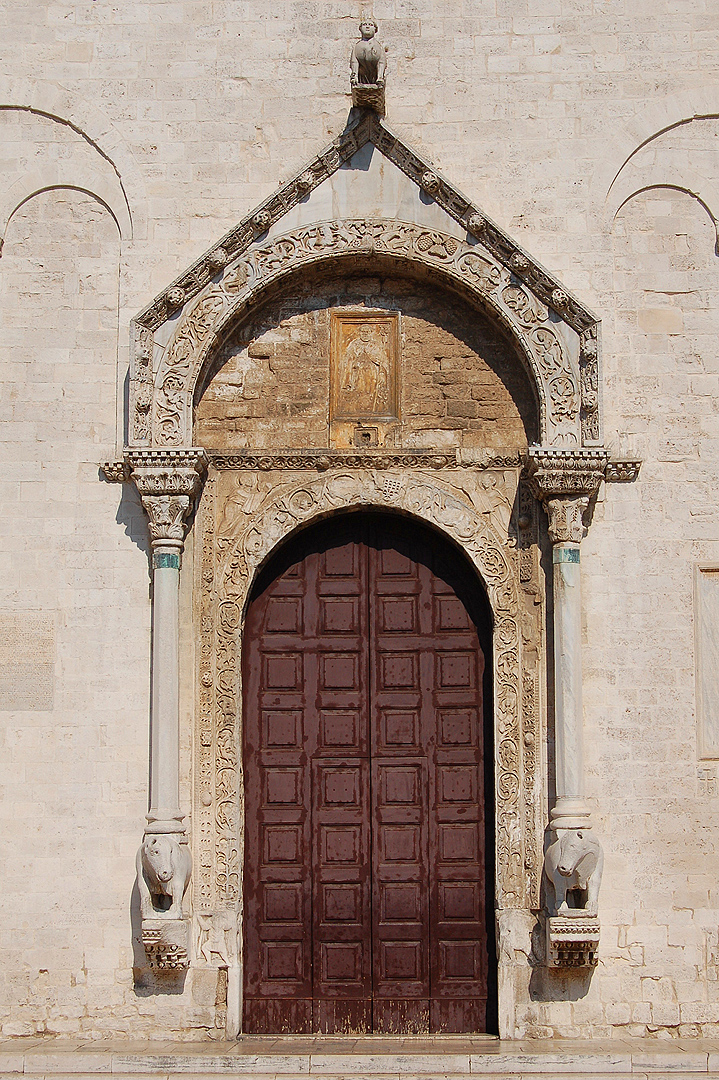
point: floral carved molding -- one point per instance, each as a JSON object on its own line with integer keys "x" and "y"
{"x": 563, "y": 366}
{"x": 242, "y": 519}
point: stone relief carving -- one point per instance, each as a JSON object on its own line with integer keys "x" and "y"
{"x": 217, "y": 938}
{"x": 253, "y": 518}
{"x": 526, "y": 317}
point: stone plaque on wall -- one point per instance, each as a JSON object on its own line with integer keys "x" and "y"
{"x": 27, "y": 661}
{"x": 364, "y": 350}
{"x": 707, "y": 659}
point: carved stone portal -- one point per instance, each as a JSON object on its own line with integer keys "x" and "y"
{"x": 244, "y": 513}
{"x": 531, "y": 323}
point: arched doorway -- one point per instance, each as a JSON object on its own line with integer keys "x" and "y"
{"x": 368, "y": 875}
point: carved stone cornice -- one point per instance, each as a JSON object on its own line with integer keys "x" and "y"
{"x": 167, "y": 481}
{"x": 554, "y": 472}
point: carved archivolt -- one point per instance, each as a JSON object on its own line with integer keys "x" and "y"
{"x": 565, "y": 378}
{"x": 240, "y": 531}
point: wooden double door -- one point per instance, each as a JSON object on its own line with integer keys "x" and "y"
{"x": 367, "y": 887}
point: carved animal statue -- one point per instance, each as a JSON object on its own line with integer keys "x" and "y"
{"x": 163, "y": 874}
{"x": 575, "y": 861}
{"x": 367, "y": 62}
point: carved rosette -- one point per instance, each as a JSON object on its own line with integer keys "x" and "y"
{"x": 565, "y": 481}
{"x": 168, "y": 482}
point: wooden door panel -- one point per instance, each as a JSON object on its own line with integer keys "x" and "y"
{"x": 365, "y": 894}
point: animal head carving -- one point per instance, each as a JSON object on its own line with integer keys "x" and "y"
{"x": 573, "y": 846}
{"x": 158, "y": 855}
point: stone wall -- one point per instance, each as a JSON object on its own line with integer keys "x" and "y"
{"x": 178, "y": 118}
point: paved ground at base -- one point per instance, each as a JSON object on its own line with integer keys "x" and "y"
{"x": 375, "y": 1057}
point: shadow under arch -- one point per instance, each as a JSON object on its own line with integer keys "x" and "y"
{"x": 344, "y": 282}
{"x": 425, "y": 544}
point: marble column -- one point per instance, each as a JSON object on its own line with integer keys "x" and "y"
{"x": 168, "y": 482}
{"x": 566, "y": 531}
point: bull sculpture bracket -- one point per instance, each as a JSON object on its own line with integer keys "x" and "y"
{"x": 573, "y": 866}
{"x": 163, "y": 874}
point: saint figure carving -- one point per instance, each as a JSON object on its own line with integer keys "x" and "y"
{"x": 365, "y": 371}
{"x": 367, "y": 62}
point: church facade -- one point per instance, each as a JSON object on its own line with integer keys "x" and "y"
{"x": 361, "y": 578}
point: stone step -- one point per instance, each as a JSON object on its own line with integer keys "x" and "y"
{"x": 370, "y": 1057}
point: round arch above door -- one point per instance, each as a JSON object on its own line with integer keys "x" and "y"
{"x": 368, "y": 765}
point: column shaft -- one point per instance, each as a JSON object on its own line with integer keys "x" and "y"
{"x": 568, "y": 722}
{"x": 165, "y": 736}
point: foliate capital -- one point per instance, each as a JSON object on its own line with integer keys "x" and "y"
{"x": 565, "y": 481}
{"x": 566, "y": 519}
{"x": 168, "y": 482}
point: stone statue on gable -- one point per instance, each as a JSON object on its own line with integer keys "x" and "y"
{"x": 368, "y": 69}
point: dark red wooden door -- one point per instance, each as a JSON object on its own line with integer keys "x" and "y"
{"x": 365, "y": 877}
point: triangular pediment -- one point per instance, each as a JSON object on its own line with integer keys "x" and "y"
{"x": 348, "y": 179}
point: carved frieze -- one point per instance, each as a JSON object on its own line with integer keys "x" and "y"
{"x": 256, "y": 511}
{"x": 323, "y": 460}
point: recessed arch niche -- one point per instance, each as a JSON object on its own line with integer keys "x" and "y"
{"x": 462, "y": 382}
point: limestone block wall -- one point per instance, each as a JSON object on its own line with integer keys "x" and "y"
{"x": 141, "y": 132}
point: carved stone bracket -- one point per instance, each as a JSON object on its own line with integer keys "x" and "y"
{"x": 624, "y": 471}
{"x": 166, "y": 944}
{"x": 572, "y": 942}
{"x": 565, "y": 480}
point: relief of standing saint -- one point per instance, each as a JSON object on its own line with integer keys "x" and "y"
{"x": 364, "y": 374}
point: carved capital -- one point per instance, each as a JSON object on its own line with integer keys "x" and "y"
{"x": 566, "y": 519}
{"x": 168, "y": 482}
{"x": 565, "y": 480}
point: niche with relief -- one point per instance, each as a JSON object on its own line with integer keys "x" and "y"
{"x": 364, "y": 362}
